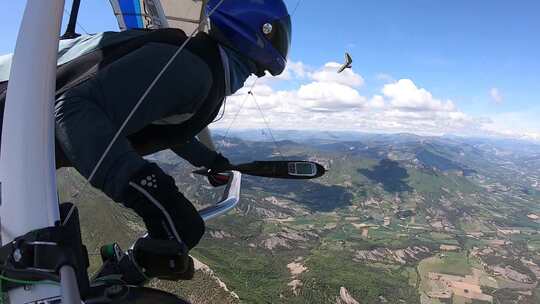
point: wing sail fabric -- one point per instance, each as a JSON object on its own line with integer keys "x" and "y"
{"x": 184, "y": 14}
{"x": 148, "y": 14}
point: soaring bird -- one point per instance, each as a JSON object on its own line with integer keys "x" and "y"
{"x": 347, "y": 64}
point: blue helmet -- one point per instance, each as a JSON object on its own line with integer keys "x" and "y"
{"x": 258, "y": 29}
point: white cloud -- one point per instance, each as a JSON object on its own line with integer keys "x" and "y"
{"x": 405, "y": 95}
{"x": 298, "y": 68}
{"x": 377, "y": 102}
{"x": 293, "y": 70}
{"x": 325, "y": 100}
{"x": 328, "y": 73}
{"x": 496, "y": 95}
{"x": 521, "y": 124}
{"x": 329, "y": 96}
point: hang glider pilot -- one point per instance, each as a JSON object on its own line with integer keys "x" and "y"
{"x": 246, "y": 37}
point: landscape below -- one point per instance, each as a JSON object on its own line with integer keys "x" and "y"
{"x": 397, "y": 219}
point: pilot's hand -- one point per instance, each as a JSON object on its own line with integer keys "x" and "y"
{"x": 218, "y": 179}
{"x": 220, "y": 164}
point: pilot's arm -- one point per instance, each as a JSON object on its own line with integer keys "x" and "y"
{"x": 199, "y": 155}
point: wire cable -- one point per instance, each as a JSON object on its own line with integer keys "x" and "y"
{"x": 22, "y": 282}
{"x": 296, "y": 7}
{"x": 267, "y": 126}
{"x": 77, "y": 22}
{"x": 240, "y": 109}
{"x": 39, "y": 274}
{"x": 25, "y": 282}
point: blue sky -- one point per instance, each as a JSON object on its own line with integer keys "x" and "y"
{"x": 458, "y": 49}
{"x": 482, "y": 55}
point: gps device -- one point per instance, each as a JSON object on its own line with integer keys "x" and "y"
{"x": 302, "y": 169}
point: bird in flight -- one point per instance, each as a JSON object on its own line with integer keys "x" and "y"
{"x": 347, "y": 64}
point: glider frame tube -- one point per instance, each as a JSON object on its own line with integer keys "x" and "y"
{"x": 29, "y": 197}
{"x": 230, "y": 199}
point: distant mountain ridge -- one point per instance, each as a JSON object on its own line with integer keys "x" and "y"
{"x": 324, "y": 135}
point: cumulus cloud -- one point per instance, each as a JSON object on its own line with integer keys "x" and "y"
{"x": 329, "y": 96}
{"x": 293, "y": 70}
{"x": 328, "y": 73}
{"x": 496, "y": 96}
{"x": 405, "y": 95}
{"x": 520, "y": 124}
{"x": 324, "y": 100}
{"x": 377, "y": 102}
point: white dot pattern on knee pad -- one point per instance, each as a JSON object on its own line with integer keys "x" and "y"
{"x": 150, "y": 181}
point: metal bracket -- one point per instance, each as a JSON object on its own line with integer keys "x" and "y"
{"x": 230, "y": 199}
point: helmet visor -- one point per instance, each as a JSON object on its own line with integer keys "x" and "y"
{"x": 280, "y": 37}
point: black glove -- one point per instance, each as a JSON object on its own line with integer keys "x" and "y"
{"x": 167, "y": 214}
{"x": 220, "y": 164}
{"x": 218, "y": 179}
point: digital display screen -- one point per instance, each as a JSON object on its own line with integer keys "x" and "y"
{"x": 305, "y": 169}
